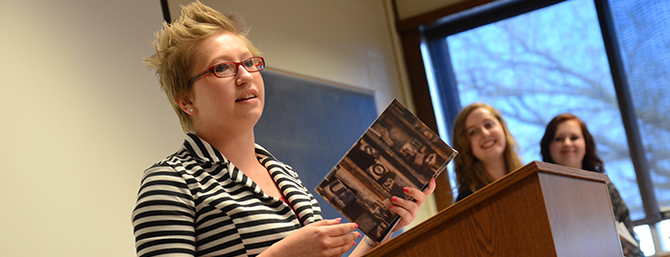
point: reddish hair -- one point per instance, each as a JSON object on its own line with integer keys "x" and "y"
{"x": 591, "y": 160}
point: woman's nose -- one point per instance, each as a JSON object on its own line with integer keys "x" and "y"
{"x": 243, "y": 75}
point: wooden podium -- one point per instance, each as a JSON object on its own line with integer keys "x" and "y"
{"x": 541, "y": 209}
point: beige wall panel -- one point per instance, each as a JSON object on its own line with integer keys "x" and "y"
{"x": 411, "y": 8}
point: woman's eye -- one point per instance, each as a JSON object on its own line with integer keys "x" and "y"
{"x": 558, "y": 139}
{"x": 472, "y": 132}
{"x": 488, "y": 125}
{"x": 222, "y": 68}
{"x": 574, "y": 138}
{"x": 248, "y": 63}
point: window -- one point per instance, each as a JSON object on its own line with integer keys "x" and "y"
{"x": 645, "y": 49}
{"x": 535, "y": 59}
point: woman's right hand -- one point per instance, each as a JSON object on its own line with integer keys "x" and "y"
{"x": 322, "y": 238}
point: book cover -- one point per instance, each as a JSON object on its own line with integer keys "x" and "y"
{"x": 396, "y": 151}
{"x": 628, "y": 242}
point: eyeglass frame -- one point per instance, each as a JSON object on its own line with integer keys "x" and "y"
{"x": 236, "y": 65}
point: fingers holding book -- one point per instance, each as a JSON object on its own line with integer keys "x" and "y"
{"x": 322, "y": 238}
{"x": 408, "y": 209}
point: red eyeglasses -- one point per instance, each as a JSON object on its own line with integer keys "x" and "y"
{"x": 229, "y": 69}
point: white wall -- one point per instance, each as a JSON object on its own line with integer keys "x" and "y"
{"x": 81, "y": 117}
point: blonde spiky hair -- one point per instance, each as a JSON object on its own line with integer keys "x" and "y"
{"x": 175, "y": 50}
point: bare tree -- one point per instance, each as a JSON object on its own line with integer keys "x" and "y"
{"x": 533, "y": 67}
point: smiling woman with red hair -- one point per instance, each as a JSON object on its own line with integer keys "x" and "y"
{"x": 568, "y": 142}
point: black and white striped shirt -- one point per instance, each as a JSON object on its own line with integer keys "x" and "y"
{"x": 197, "y": 203}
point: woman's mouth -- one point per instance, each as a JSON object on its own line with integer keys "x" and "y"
{"x": 566, "y": 152}
{"x": 488, "y": 144}
{"x": 246, "y": 97}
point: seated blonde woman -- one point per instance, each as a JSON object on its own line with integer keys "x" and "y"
{"x": 487, "y": 150}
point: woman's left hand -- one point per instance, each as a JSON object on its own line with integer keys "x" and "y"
{"x": 408, "y": 209}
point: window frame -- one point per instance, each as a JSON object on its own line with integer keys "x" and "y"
{"x": 431, "y": 28}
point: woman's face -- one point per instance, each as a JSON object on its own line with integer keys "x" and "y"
{"x": 487, "y": 137}
{"x": 568, "y": 146}
{"x": 230, "y": 103}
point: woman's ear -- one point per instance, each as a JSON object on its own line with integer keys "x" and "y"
{"x": 185, "y": 103}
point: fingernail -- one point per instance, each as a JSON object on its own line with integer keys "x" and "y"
{"x": 359, "y": 235}
{"x": 355, "y": 226}
{"x": 391, "y": 206}
{"x": 338, "y": 219}
{"x": 432, "y": 180}
{"x": 353, "y": 243}
{"x": 406, "y": 189}
{"x": 395, "y": 199}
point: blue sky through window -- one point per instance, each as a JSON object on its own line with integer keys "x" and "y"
{"x": 540, "y": 64}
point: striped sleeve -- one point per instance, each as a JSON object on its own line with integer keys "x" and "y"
{"x": 163, "y": 218}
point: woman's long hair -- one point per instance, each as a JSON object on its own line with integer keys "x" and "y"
{"x": 591, "y": 160}
{"x": 470, "y": 172}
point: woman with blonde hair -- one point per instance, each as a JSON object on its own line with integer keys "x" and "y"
{"x": 487, "y": 150}
{"x": 221, "y": 194}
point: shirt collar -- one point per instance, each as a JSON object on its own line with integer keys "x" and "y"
{"x": 202, "y": 150}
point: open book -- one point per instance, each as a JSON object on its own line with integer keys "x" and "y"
{"x": 396, "y": 151}
{"x": 628, "y": 242}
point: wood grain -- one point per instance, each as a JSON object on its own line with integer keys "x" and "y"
{"x": 538, "y": 210}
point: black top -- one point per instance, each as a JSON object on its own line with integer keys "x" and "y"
{"x": 463, "y": 193}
